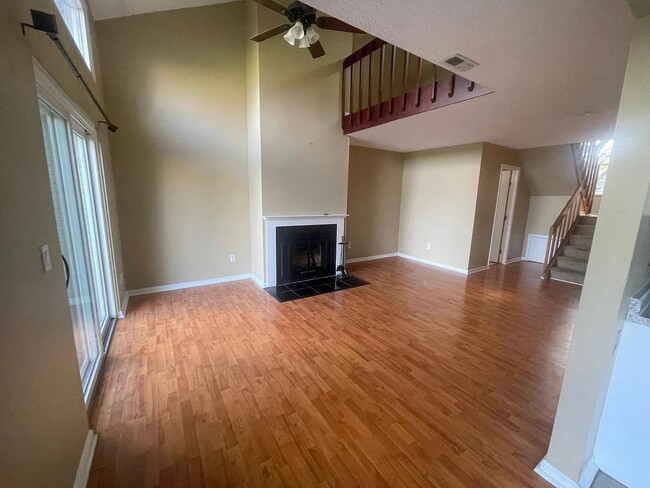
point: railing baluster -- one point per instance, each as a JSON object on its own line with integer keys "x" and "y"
{"x": 405, "y": 79}
{"x": 417, "y": 86}
{"x": 452, "y": 85}
{"x": 434, "y": 87}
{"x": 380, "y": 92}
{"x": 369, "y": 83}
{"x": 360, "y": 102}
{"x": 351, "y": 91}
{"x": 343, "y": 83}
{"x": 392, "y": 77}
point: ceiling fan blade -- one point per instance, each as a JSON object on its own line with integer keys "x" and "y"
{"x": 281, "y": 29}
{"x": 272, "y": 5}
{"x": 316, "y": 50}
{"x": 335, "y": 24}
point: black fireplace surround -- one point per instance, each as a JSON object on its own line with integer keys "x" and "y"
{"x": 305, "y": 252}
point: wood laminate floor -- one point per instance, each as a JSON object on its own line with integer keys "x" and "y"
{"x": 422, "y": 378}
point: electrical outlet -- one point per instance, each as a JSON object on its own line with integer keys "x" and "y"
{"x": 45, "y": 258}
{"x": 232, "y": 258}
{"x": 428, "y": 246}
{"x": 349, "y": 245}
{"x": 121, "y": 278}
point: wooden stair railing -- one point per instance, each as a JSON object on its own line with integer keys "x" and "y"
{"x": 585, "y": 160}
{"x": 381, "y": 83}
{"x": 561, "y": 230}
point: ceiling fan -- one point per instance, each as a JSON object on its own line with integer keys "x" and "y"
{"x": 302, "y": 19}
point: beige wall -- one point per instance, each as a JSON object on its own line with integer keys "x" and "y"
{"x": 618, "y": 265}
{"x": 549, "y": 170}
{"x": 439, "y": 189}
{"x": 304, "y": 152}
{"x": 374, "y": 194}
{"x": 542, "y": 212}
{"x": 254, "y": 143}
{"x": 176, "y": 85}
{"x": 42, "y": 413}
{"x": 493, "y": 157}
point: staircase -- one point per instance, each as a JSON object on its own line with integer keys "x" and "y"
{"x": 571, "y": 264}
{"x": 381, "y": 83}
{"x": 571, "y": 235}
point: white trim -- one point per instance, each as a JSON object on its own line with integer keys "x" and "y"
{"x": 589, "y": 473}
{"x": 554, "y": 476}
{"x": 86, "y": 460}
{"x": 125, "y": 304}
{"x": 560, "y": 480}
{"x": 188, "y": 284}
{"x": 258, "y": 281}
{"x": 431, "y": 263}
{"x": 272, "y": 222}
{"x": 478, "y": 270}
{"x": 372, "y": 258}
{"x": 515, "y": 260}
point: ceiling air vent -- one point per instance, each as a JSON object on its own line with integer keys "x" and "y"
{"x": 460, "y": 62}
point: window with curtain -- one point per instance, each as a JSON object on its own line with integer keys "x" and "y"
{"x": 74, "y": 16}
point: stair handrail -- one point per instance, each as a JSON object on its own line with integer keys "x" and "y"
{"x": 585, "y": 160}
{"x": 561, "y": 230}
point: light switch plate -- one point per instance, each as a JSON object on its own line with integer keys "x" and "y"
{"x": 45, "y": 258}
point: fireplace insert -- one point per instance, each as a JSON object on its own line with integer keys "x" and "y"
{"x": 305, "y": 252}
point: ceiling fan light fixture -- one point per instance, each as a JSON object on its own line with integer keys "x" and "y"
{"x": 290, "y": 38}
{"x": 304, "y": 42}
{"x": 312, "y": 35}
{"x": 298, "y": 30}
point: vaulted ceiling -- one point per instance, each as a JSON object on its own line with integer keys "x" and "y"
{"x": 556, "y": 67}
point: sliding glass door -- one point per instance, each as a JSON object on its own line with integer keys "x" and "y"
{"x": 76, "y": 193}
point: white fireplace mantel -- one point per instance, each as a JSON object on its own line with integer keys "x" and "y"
{"x": 272, "y": 222}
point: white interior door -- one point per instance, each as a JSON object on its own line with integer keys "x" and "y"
{"x": 500, "y": 216}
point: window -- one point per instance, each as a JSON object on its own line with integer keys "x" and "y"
{"x": 74, "y": 16}
{"x": 603, "y": 165}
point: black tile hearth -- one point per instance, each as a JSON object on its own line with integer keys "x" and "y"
{"x": 310, "y": 288}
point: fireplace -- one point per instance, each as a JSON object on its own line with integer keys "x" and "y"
{"x": 314, "y": 261}
{"x": 305, "y": 252}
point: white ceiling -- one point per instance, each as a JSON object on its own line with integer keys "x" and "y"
{"x": 549, "y": 62}
{"x": 110, "y": 9}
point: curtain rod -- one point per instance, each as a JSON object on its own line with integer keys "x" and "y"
{"x": 44, "y": 22}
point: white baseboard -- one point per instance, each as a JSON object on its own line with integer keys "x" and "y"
{"x": 258, "y": 281}
{"x": 554, "y": 476}
{"x": 514, "y": 260}
{"x": 589, "y": 473}
{"x": 86, "y": 461}
{"x": 478, "y": 270}
{"x": 372, "y": 258}
{"x": 189, "y": 284}
{"x": 560, "y": 480}
{"x": 431, "y": 263}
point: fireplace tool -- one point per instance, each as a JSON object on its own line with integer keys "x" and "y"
{"x": 340, "y": 269}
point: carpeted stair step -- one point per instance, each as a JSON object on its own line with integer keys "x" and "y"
{"x": 581, "y": 242}
{"x": 569, "y": 275}
{"x": 579, "y": 265}
{"x": 576, "y": 252}
{"x": 585, "y": 230}
{"x": 588, "y": 219}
